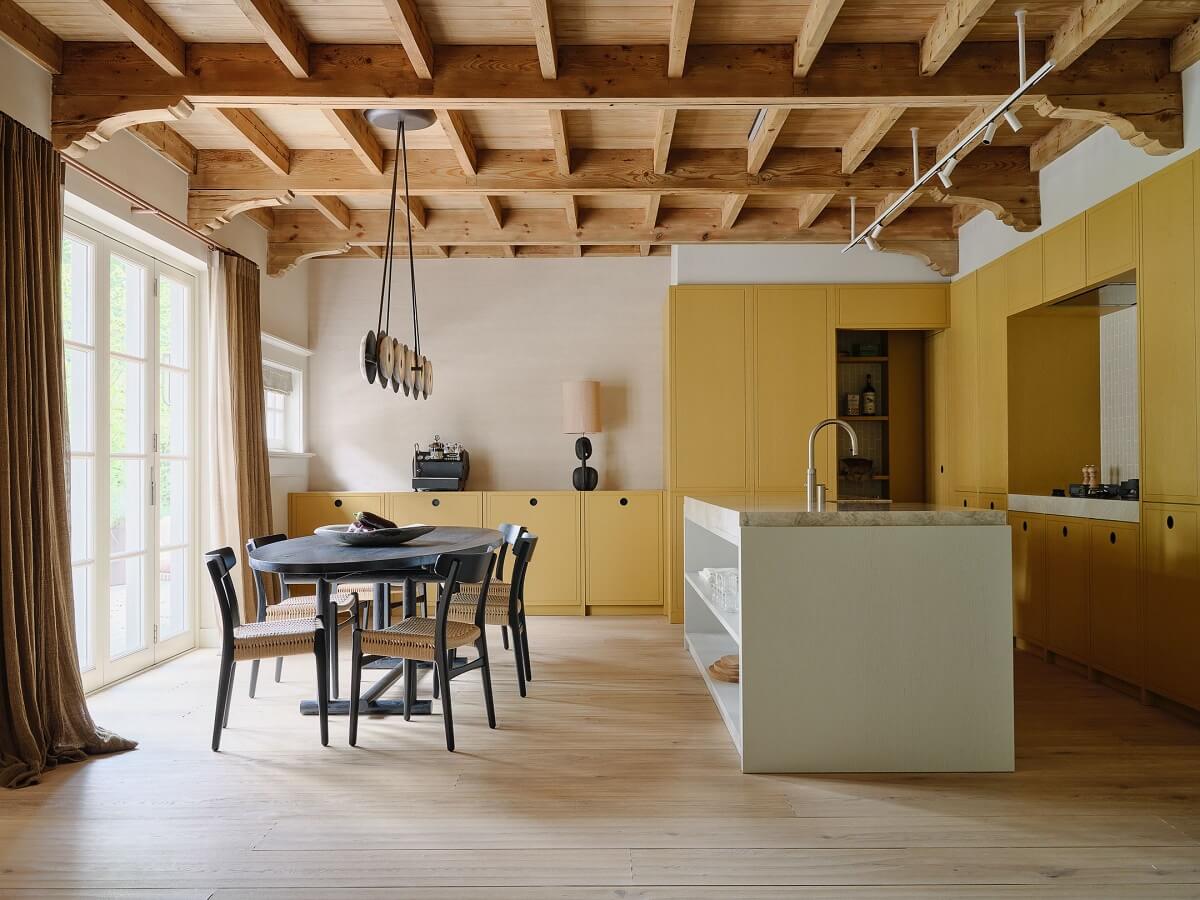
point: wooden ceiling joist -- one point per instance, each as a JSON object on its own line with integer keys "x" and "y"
{"x": 562, "y": 147}
{"x": 866, "y": 137}
{"x": 680, "y": 36}
{"x": 30, "y": 38}
{"x": 1091, "y": 21}
{"x": 492, "y": 210}
{"x": 663, "y": 132}
{"x": 334, "y": 210}
{"x": 165, "y": 141}
{"x": 418, "y": 213}
{"x": 543, "y": 36}
{"x": 759, "y": 144}
{"x": 209, "y": 212}
{"x": 731, "y": 208}
{"x": 406, "y": 18}
{"x": 811, "y": 206}
{"x": 359, "y": 137}
{"x": 145, "y": 28}
{"x": 1065, "y": 136}
{"x": 459, "y": 136}
{"x": 571, "y": 210}
{"x": 281, "y": 33}
{"x": 957, "y": 19}
{"x": 1185, "y": 48}
{"x": 653, "y": 205}
{"x": 263, "y": 142}
{"x": 817, "y": 22}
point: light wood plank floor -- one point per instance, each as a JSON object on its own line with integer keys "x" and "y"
{"x": 614, "y": 779}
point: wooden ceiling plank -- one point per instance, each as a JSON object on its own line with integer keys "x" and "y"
{"x": 758, "y": 147}
{"x": 812, "y": 206}
{"x": 334, "y": 210}
{"x": 1185, "y": 48}
{"x": 149, "y": 32}
{"x": 359, "y": 137}
{"x": 281, "y": 33}
{"x": 493, "y": 210}
{"x": 1091, "y": 21}
{"x": 680, "y": 36}
{"x": 731, "y": 208}
{"x": 866, "y": 137}
{"x": 817, "y": 22}
{"x": 30, "y": 38}
{"x": 264, "y": 143}
{"x": 664, "y": 131}
{"x": 168, "y": 143}
{"x": 543, "y": 35}
{"x": 461, "y": 141}
{"x": 562, "y": 147}
{"x": 957, "y": 19}
{"x": 406, "y": 18}
{"x": 1067, "y": 135}
{"x": 571, "y": 208}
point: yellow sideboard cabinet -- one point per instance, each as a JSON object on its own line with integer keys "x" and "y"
{"x": 623, "y": 552}
{"x": 555, "y": 581}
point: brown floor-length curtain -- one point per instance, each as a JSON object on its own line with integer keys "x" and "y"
{"x": 44, "y": 718}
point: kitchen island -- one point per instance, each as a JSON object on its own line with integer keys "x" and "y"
{"x": 872, "y": 638}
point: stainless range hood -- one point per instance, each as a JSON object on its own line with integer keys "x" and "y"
{"x": 1105, "y": 298}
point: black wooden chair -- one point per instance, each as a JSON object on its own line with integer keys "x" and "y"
{"x": 504, "y": 607}
{"x": 419, "y": 638}
{"x": 260, "y": 640}
{"x": 300, "y": 607}
{"x": 500, "y": 587}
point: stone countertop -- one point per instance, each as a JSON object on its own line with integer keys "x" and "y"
{"x": 727, "y": 516}
{"x": 1077, "y": 507}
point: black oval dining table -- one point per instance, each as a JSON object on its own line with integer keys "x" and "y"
{"x": 325, "y": 561}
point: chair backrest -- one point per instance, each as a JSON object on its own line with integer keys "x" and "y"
{"x": 220, "y": 565}
{"x": 510, "y": 534}
{"x": 260, "y": 584}
{"x": 522, "y": 554}
{"x": 463, "y": 568}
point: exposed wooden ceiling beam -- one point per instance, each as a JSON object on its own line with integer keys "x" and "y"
{"x": 359, "y": 137}
{"x": 543, "y": 36}
{"x": 509, "y": 251}
{"x": 663, "y": 133}
{"x": 1185, "y": 49}
{"x": 889, "y": 199}
{"x": 1091, "y": 21}
{"x": 680, "y": 35}
{"x": 461, "y": 141}
{"x": 334, "y": 210}
{"x": 961, "y": 130}
{"x": 957, "y": 19}
{"x": 407, "y": 20}
{"x": 149, "y": 32}
{"x": 209, "y": 212}
{"x": 263, "y": 142}
{"x": 866, "y": 137}
{"x": 571, "y": 208}
{"x": 731, "y": 208}
{"x": 168, "y": 143}
{"x": 493, "y": 211}
{"x": 644, "y": 249}
{"x": 280, "y": 31}
{"x": 811, "y": 206}
{"x": 817, "y": 22}
{"x": 758, "y": 147}
{"x": 30, "y": 38}
{"x": 418, "y": 214}
{"x": 562, "y": 147}
{"x": 1067, "y": 135}
{"x": 652, "y": 208}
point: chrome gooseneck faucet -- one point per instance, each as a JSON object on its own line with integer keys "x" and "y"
{"x": 815, "y": 493}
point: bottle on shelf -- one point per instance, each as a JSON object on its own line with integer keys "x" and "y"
{"x": 869, "y": 406}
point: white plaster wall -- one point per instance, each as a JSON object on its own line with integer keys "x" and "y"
{"x": 792, "y": 264}
{"x": 24, "y": 90}
{"x": 502, "y": 335}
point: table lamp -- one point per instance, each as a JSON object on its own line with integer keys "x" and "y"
{"x": 581, "y": 415}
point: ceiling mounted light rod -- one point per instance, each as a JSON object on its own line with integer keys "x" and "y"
{"x": 916, "y": 138}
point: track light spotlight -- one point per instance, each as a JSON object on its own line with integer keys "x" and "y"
{"x": 877, "y": 231}
{"x": 950, "y": 166}
{"x": 990, "y": 134}
{"x": 947, "y": 182}
{"x": 872, "y": 243}
{"x": 1013, "y": 121}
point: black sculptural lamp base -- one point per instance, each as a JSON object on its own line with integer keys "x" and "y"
{"x": 584, "y": 478}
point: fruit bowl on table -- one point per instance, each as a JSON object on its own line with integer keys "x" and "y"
{"x": 378, "y": 537}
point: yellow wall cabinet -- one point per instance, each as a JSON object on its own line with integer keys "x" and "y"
{"x": 1029, "y": 576}
{"x": 437, "y": 508}
{"x": 309, "y": 511}
{"x": 1064, "y": 259}
{"x": 1116, "y": 612}
{"x": 1171, "y": 559}
{"x": 1025, "y": 276}
{"x": 553, "y": 585}
{"x": 623, "y": 551}
{"x": 992, "y": 290}
{"x": 1167, "y": 311}
{"x": 964, "y": 384}
{"x": 893, "y": 307}
{"x": 1068, "y": 606}
{"x": 1112, "y": 236}
{"x": 937, "y": 406}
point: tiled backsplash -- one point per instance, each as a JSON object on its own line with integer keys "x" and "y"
{"x": 1119, "y": 396}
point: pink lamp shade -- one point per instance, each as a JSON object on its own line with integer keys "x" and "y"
{"x": 581, "y": 407}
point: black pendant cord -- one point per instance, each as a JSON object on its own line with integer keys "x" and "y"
{"x": 412, "y": 267}
{"x": 385, "y": 290}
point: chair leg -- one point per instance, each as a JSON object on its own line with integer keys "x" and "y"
{"x": 222, "y": 699}
{"x": 524, "y": 637}
{"x": 333, "y": 654}
{"x": 278, "y": 669}
{"x": 355, "y": 684}
{"x": 410, "y": 687}
{"x": 229, "y": 693}
{"x": 442, "y": 670}
{"x": 504, "y": 636}
{"x": 519, "y": 656}
{"x": 319, "y": 650}
{"x": 437, "y": 691}
{"x": 253, "y": 677}
{"x": 486, "y": 671}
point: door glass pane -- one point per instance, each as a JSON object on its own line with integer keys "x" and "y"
{"x": 172, "y": 503}
{"x": 127, "y": 511}
{"x": 79, "y": 398}
{"x": 81, "y": 581}
{"x": 77, "y": 290}
{"x": 125, "y": 599}
{"x": 172, "y": 322}
{"x": 127, "y": 402}
{"x": 83, "y": 509}
{"x": 127, "y": 307}
{"x": 172, "y": 592}
{"x": 172, "y": 412}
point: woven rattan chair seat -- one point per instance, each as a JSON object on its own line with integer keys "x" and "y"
{"x": 414, "y": 638}
{"x": 262, "y": 640}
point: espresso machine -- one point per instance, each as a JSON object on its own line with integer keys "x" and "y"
{"x": 440, "y": 466}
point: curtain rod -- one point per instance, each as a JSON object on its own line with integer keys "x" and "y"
{"x": 142, "y": 205}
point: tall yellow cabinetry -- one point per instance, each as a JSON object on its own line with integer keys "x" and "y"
{"x": 1171, "y": 557}
{"x": 1025, "y": 276}
{"x": 1029, "y": 576}
{"x": 1112, "y": 236}
{"x": 963, "y": 346}
{"x": 937, "y": 402}
{"x": 993, "y": 300}
{"x": 1064, "y": 259}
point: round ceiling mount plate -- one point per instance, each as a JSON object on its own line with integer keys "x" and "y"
{"x": 390, "y": 119}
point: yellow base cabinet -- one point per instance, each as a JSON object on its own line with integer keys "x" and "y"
{"x": 966, "y": 499}
{"x": 553, "y": 585}
{"x": 311, "y": 510}
{"x": 1068, "y": 606}
{"x": 1171, "y": 560}
{"x": 993, "y": 501}
{"x": 463, "y": 508}
{"x": 1029, "y": 576}
{"x": 1116, "y": 613}
{"x": 623, "y": 551}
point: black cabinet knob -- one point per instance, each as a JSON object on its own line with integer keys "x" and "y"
{"x": 1112, "y": 537}
{"x": 437, "y": 502}
{"x": 1064, "y": 531}
{"x": 1170, "y": 521}
{"x": 533, "y": 501}
{"x": 337, "y": 502}
{"x": 624, "y": 501}
{"x": 1025, "y": 526}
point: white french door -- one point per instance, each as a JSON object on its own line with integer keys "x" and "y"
{"x": 129, "y": 332}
